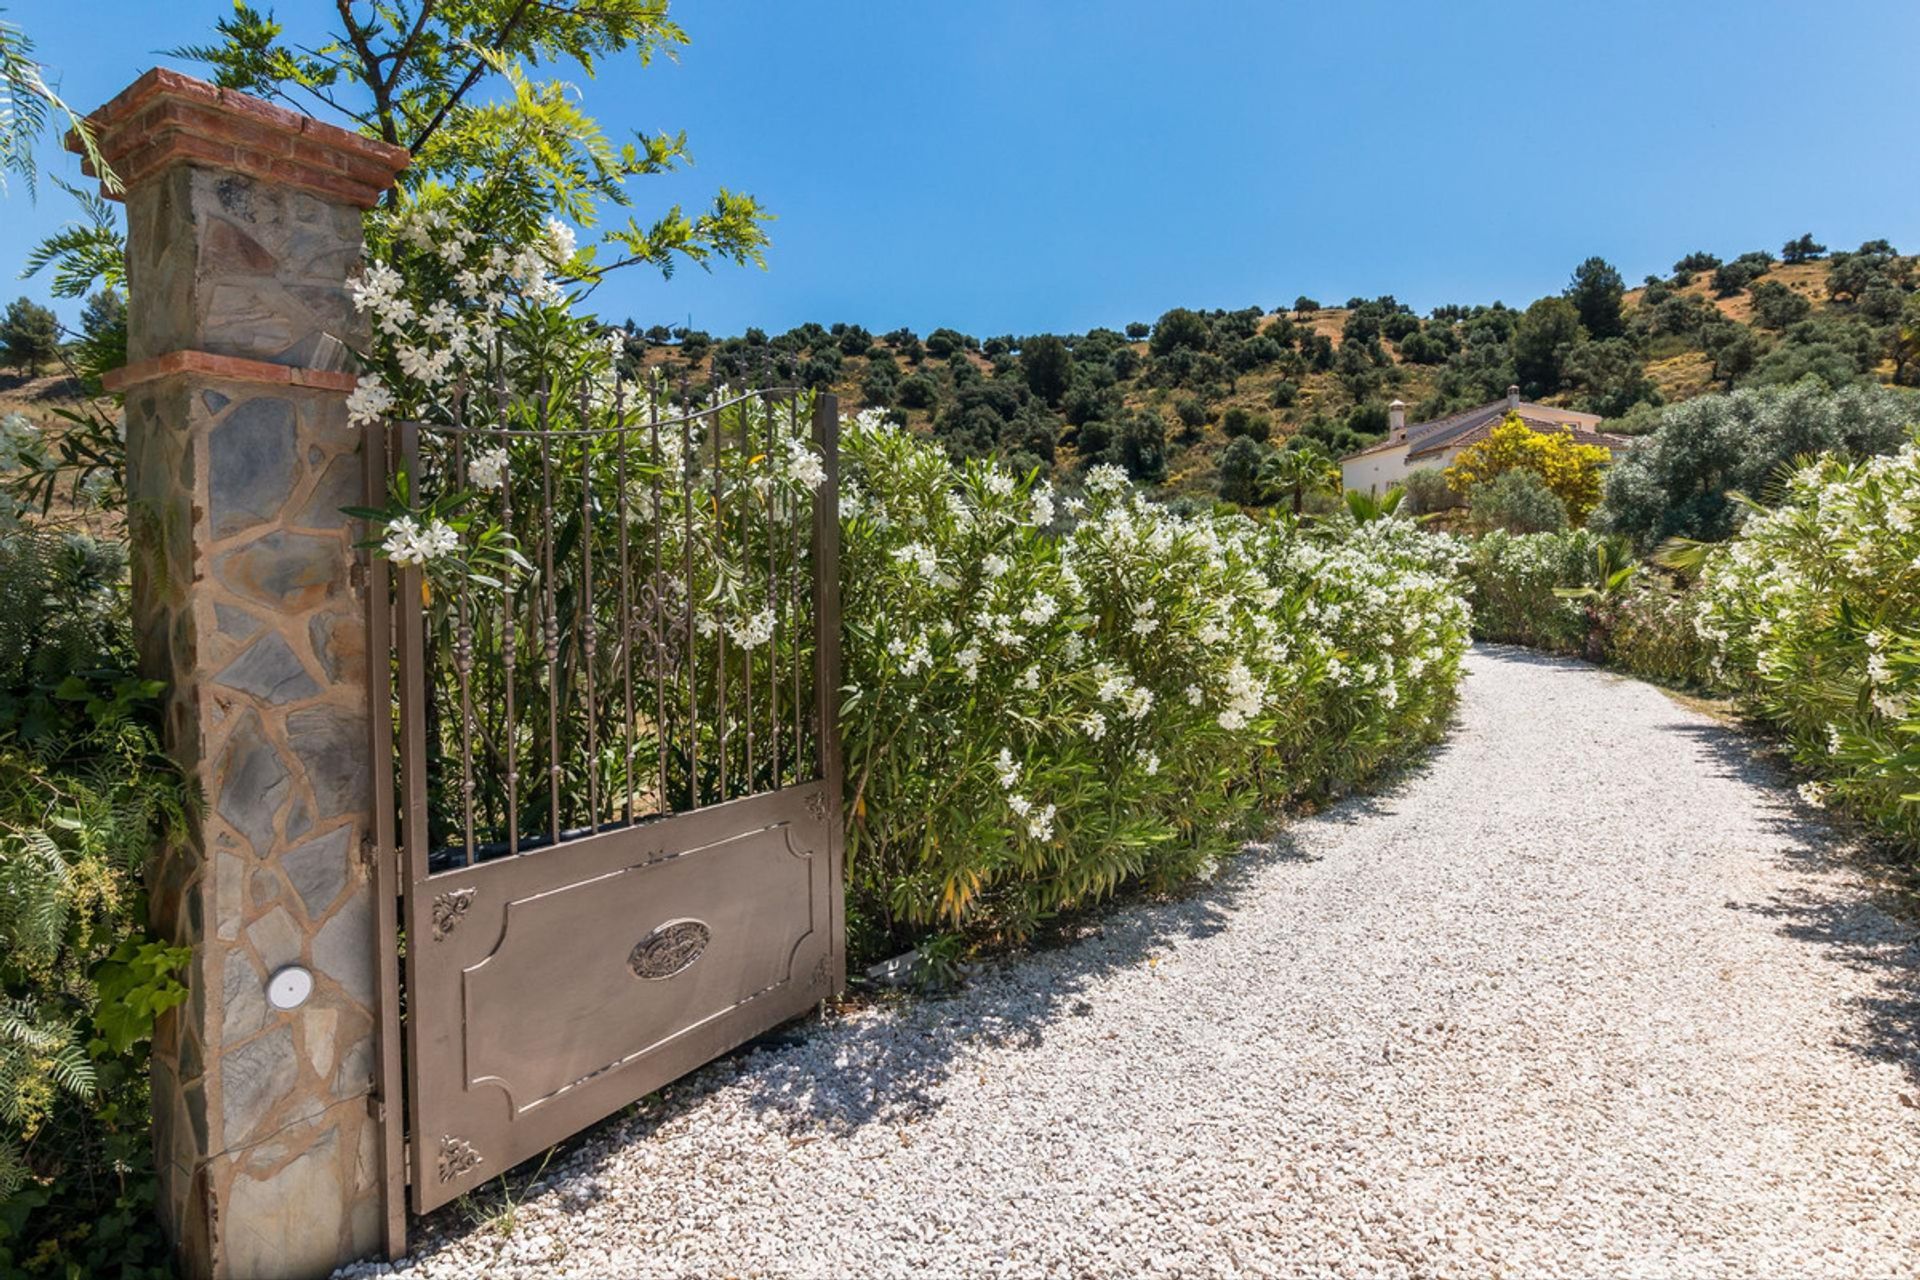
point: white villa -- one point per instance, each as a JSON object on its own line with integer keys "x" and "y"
{"x": 1436, "y": 444}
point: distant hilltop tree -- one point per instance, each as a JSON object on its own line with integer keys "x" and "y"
{"x": 1179, "y": 329}
{"x": 1596, "y": 292}
{"x": 1804, "y": 249}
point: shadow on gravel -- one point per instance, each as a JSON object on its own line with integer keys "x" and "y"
{"x": 1521, "y": 656}
{"x": 889, "y": 1069}
{"x": 814, "y": 1078}
{"x": 1842, "y": 917}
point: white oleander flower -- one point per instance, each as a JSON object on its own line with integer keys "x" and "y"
{"x": 751, "y": 633}
{"x": 1040, "y": 508}
{"x": 1040, "y": 825}
{"x": 920, "y": 556}
{"x": 804, "y": 466}
{"x": 408, "y": 544}
{"x": 1245, "y": 695}
{"x": 440, "y": 319}
{"x": 422, "y": 365}
{"x": 376, "y": 288}
{"x": 369, "y": 401}
{"x": 1008, "y": 768}
{"x": 487, "y": 469}
{"x": 1040, "y": 609}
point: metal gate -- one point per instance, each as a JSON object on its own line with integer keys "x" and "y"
{"x": 614, "y": 808}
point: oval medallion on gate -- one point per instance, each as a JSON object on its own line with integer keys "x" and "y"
{"x": 670, "y": 949}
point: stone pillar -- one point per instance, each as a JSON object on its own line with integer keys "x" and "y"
{"x": 243, "y": 227}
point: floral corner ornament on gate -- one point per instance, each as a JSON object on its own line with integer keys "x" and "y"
{"x": 457, "y": 1158}
{"x": 449, "y": 909}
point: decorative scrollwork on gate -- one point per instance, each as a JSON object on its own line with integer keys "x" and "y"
{"x": 457, "y": 1157}
{"x": 817, "y": 806}
{"x": 670, "y": 949}
{"x": 659, "y": 614}
{"x": 449, "y": 909}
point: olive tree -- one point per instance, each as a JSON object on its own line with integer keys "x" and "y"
{"x": 1678, "y": 481}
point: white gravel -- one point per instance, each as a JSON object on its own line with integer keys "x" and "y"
{"x": 1582, "y": 997}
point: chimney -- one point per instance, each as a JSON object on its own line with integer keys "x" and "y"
{"x": 1513, "y": 395}
{"x": 1397, "y": 415}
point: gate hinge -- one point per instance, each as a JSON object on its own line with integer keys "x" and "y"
{"x": 370, "y": 859}
{"x": 357, "y": 574}
{"x": 377, "y": 1108}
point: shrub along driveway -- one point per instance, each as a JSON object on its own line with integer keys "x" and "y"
{"x": 1583, "y": 996}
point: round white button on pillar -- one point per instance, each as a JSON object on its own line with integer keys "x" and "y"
{"x": 289, "y": 988}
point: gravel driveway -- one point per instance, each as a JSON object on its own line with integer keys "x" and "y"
{"x": 1580, "y": 997}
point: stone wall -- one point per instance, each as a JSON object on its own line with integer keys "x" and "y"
{"x": 243, "y": 228}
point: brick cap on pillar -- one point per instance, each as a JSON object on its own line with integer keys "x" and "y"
{"x": 232, "y": 368}
{"x": 165, "y": 118}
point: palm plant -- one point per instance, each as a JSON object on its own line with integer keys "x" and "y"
{"x": 1295, "y": 473}
{"x": 1367, "y": 508}
{"x": 1613, "y": 568}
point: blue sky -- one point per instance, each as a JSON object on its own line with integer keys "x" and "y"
{"x": 1058, "y": 164}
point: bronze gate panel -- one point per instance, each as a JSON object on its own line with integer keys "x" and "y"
{"x": 534, "y": 1020}
{"x": 615, "y": 803}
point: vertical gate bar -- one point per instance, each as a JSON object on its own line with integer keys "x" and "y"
{"x": 413, "y": 686}
{"x": 550, "y": 621}
{"x": 386, "y": 864}
{"x": 509, "y": 634}
{"x": 587, "y": 642}
{"x": 826, "y": 577}
{"x": 773, "y": 590}
{"x": 626, "y": 590}
{"x": 796, "y": 626}
{"x": 463, "y": 662}
{"x": 826, "y": 593}
{"x": 746, "y": 566}
{"x": 411, "y": 626}
{"x": 687, "y": 460}
{"x": 715, "y": 430}
{"x": 659, "y": 601}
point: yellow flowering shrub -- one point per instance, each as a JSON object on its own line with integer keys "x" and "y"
{"x": 1572, "y": 471}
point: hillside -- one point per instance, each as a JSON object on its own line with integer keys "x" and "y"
{"x": 1165, "y": 399}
